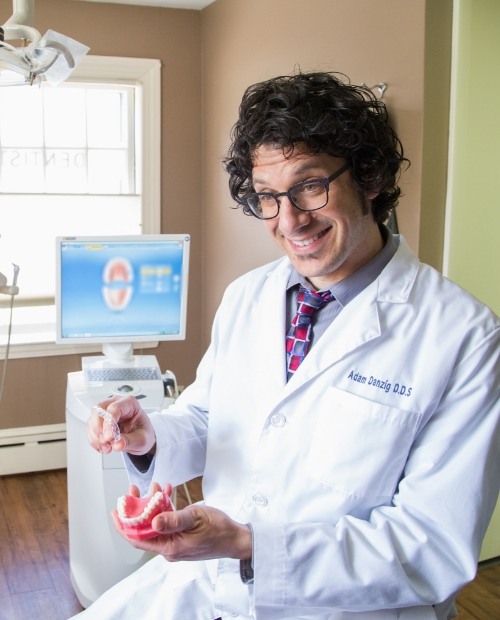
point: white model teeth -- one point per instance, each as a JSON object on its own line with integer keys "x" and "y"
{"x": 303, "y": 244}
{"x": 151, "y": 506}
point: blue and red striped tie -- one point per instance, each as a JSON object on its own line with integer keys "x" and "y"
{"x": 299, "y": 335}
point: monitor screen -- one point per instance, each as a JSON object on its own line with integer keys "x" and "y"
{"x": 113, "y": 290}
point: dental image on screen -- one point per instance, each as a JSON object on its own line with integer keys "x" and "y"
{"x": 122, "y": 290}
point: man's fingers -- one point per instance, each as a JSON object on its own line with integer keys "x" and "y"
{"x": 175, "y": 521}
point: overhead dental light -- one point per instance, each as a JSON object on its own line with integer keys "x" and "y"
{"x": 31, "y": 58}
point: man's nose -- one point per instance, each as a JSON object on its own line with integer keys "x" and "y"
{"x": 291, "y": 218}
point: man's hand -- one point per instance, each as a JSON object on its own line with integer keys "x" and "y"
{"x": 195, "y": 533}
{"x": 137, "y": 433}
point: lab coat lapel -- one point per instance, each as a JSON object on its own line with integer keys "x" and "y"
{"x": 356, "y": 324}
{"x": 272, "y": 329}
{"x": 359, "y": 321}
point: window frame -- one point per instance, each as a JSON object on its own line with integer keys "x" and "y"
{"x": 146, "y": 73}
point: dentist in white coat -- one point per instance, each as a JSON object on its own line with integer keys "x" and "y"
{"x": 360, "y": 484}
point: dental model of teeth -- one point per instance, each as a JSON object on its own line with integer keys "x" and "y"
{"x": 136, "y": 513}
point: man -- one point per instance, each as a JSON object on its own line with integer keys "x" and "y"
{"x": 350, "y": 454}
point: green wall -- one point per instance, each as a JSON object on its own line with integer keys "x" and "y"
{"x": 473, "y": 228}
{"x": 473, "y": 213}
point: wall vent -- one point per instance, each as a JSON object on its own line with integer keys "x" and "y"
{"x": 32, "y": 448}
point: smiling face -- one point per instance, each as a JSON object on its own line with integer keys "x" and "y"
{"x": 327, "y": 245}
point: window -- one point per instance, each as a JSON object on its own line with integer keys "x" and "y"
{"x": 72, "y": 162}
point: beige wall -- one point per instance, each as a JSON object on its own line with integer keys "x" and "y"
{"x": 370, "y": 41}
{"x": 35, "y": 388}
{"x": 208, "y": 59}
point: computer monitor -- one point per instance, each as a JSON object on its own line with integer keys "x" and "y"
{"x": 120, "y": 291}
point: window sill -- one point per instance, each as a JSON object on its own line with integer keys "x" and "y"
{"x": 47, "y": 347}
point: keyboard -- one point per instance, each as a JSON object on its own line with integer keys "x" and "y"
{"x": 144, "y": 373}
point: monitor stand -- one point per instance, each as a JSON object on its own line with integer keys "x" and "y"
{"x": 118, "y": 352}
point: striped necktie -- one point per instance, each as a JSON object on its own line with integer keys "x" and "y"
{"x": 299, "y": 335}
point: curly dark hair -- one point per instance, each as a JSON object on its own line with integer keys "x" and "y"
{"x": 328, "y": 115}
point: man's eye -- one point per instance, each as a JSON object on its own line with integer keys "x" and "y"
{"x": 311, "y": 187}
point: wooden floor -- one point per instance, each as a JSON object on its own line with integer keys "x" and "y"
{"x": 34, "y": 564}
{"x": 480, "y": 600}
{"x": 34, "y": 575}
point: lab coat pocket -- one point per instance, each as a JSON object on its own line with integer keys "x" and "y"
{"x": 359, "y": 447}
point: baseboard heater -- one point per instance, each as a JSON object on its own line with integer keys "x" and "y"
{"x": 32, "y": 448}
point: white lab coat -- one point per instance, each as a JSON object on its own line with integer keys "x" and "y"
{"x": 369, "y": 478}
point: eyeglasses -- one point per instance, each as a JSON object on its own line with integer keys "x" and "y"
{"x": 309, "y": 195}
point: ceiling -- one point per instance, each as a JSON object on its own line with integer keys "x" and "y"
{"x": 175, "y": 4}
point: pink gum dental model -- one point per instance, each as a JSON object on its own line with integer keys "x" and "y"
{"x": 137, "y": 513}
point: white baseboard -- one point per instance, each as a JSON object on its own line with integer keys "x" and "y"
{"x": 33, "y": 448}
